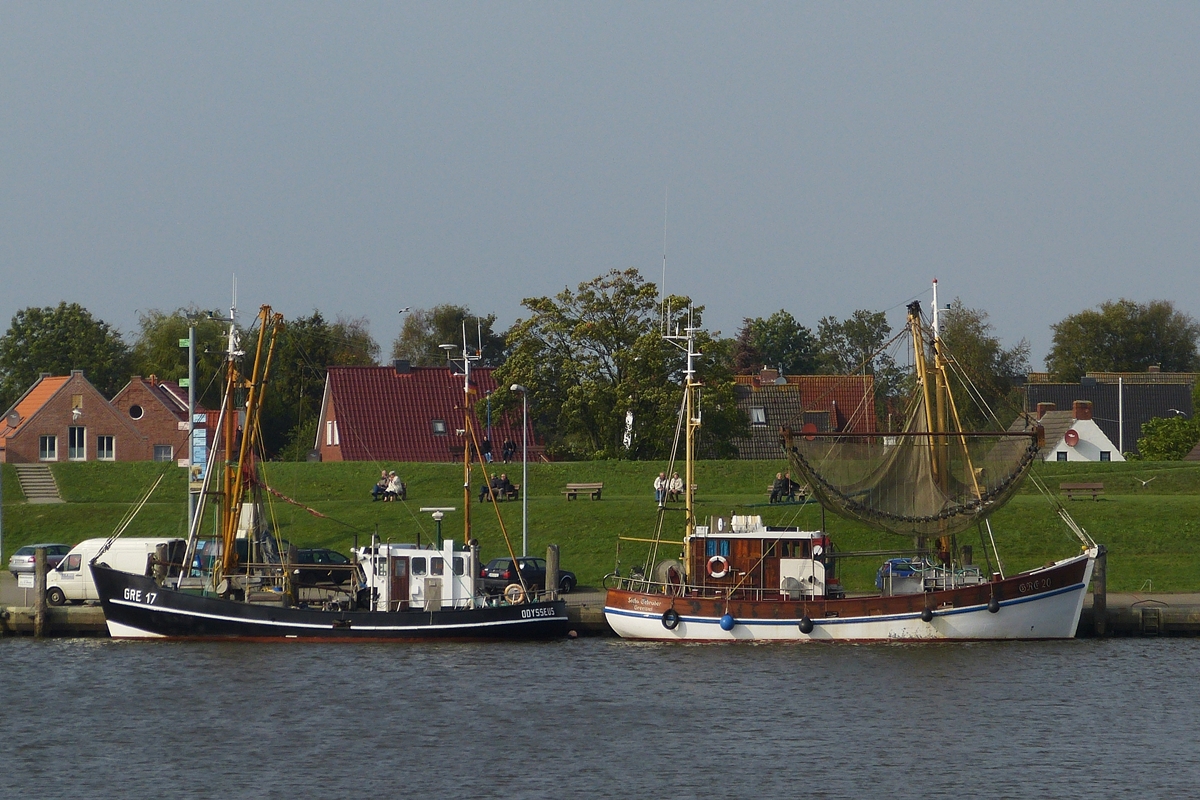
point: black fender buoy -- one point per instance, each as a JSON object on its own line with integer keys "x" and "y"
{"x": 993, "y": 605}
{"x": 670, "y": 619}
{"x": 926, "y": 615}
{"x": 806, "y": 625}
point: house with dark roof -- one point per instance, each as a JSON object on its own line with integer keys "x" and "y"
{"x": 1121, "y": 402}
{"x": 65, "y": 418}
{"x": 405, "y": 413}
{"x": 827, "y": 402}
{"x": 159, "y": 409}
{"x": 1069, "y": 435}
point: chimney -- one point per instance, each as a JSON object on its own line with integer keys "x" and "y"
{"x": 402, "y": 366}
{"x": 1155, "y": 368}
{"x": 768, "y": 375}
{"x": 1082, "y": 409}
{"x": 1042, "y": 408}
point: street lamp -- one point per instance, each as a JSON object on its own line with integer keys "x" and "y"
{"x": 516, "y": 387}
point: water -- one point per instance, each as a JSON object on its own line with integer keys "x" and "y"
{"x": 598, "y": 718}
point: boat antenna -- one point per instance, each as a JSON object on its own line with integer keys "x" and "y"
{"x": 662, "y": 287}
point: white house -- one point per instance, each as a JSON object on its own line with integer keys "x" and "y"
{"x": 1071, "y": 435}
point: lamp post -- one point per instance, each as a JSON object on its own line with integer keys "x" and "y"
{"x": 516, "y": 387}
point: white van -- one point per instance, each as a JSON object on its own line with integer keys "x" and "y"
{"x": 72, "y": 579}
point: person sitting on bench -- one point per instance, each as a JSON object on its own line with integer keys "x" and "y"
{"x": 506, "y": 491}
{"x": 494, "y": 486}
{"x": 779, "y": 489}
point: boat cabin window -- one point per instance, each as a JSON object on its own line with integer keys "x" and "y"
{"x": 716, "y": 547}
{"x": 794, "y": 549}
{"x": 418, "y": 565}
{"x": 436, "y": 565}
{"x": 459, "y": 565}
{"x": 401, "y": 567}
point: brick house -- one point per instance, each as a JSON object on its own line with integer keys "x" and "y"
{"x": 829, "y": 402}
{"x": 65, "y": 418}
{"x": 159, "y": 409}
{"x": 404, "y": 413}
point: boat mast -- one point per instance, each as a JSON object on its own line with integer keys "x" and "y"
{"x": 468, "y": 429}
{"x": 687, "y": 342}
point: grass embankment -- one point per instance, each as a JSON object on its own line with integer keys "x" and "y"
{"x": 1152, "y": 532}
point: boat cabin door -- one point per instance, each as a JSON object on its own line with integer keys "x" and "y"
{"x": 397, "y": 583}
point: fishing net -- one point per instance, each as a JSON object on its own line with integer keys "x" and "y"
{"x": 915, "y": 482}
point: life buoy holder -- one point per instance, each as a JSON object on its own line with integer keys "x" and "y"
{"x": 718, "y": 567}
{"x": 514, "y": 594}
{"x": 670, "y": 619}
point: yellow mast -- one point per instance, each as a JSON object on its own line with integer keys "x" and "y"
{"x": 235, "y": 472}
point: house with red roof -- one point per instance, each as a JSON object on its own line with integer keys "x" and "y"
{"x": 159, "y": 409}
{"x": 405, "y": 413}
{"x": 828, "y": 402}
{"x": 65, "y": 418}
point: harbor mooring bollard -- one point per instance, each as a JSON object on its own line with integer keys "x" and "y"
{"x": 39, "y": 593}
{"x": 552, "y": 571}
{"x": 1100, "y": 592}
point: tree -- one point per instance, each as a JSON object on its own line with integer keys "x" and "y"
{"x": 858, "y": 346}
{"x": 591, "y": 356}
{"x": 1168, "y": 438}
{"x": 779, "y": 342}
{"x": 985, "y": 370}
{"x": 1124, "y": 336}
{"x": 156, "y": 350}
{"x": 424, "y": 330}
{"x": 304, "y": 349}
{"x": 58, "y": 339}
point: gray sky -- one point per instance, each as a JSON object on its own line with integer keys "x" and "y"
{"x": 1037, "y": 159}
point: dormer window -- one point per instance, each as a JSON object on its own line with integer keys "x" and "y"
{"x": 758, "y": 416}
{"x": 439, "y": 427}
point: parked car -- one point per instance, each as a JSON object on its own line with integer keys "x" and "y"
{"x": 22, "y": 560}
{"x": 500, "y": 572}
{"x": 322, "y": 566}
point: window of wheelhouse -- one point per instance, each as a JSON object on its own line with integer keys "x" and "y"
{"x": 716, "y": 547}
{"x": 418, "y": 565}
{"x": 795, "y": 548}
{"x": 436, "y": 565}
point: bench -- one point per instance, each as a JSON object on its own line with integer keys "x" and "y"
{"x": 1083, "y": 489}
{"x": 799, "y": 496}
{"x": 573, "y": 490}
{"x": 512, "y": 494}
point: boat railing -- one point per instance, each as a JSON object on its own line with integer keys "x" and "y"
{"x": 642, "y": 585}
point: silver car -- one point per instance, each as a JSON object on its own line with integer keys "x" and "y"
{"x": 22, "y": 560}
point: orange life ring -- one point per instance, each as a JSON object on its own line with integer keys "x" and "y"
{"x": 718, "y": 567}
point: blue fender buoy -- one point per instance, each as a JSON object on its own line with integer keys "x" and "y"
{"x": 926, "y": 615}
{"x": 727, "y": 622}
{"x": 806, "y": 625}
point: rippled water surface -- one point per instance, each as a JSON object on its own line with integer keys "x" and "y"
{"x": 599, "y": 718}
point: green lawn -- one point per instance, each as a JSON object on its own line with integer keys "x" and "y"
{"x": 1153, "y": 533}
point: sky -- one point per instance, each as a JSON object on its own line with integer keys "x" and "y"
{"x": 360, "y": 158}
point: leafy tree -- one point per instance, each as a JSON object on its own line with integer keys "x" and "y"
{"x": 590, "y": 356}
{"x": 156, "y": 350}
{"x": 1168, "y": 438}
{"x": 986, "y": 372}
{"x": 779, "y": 342}
{"x": 58, "y": 339}
{"x": 304, "y": 349}
{"x": 424, "y": 330}
{"x": 1124, "y": 336}
{"x": 858, "y": 345}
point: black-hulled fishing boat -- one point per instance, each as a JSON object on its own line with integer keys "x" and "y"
{"x": 242, "y": 585}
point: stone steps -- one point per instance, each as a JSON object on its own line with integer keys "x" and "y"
{"x": 37, "y": 483}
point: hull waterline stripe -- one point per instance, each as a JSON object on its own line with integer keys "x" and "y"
{"x": 849, "y": 620}
{"x": 323, "y": 627}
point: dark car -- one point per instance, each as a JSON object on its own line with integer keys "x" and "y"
{"x": 22, "y": 560}
{"x": 500, "y": 572}
{"x": 317, "y": 566}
